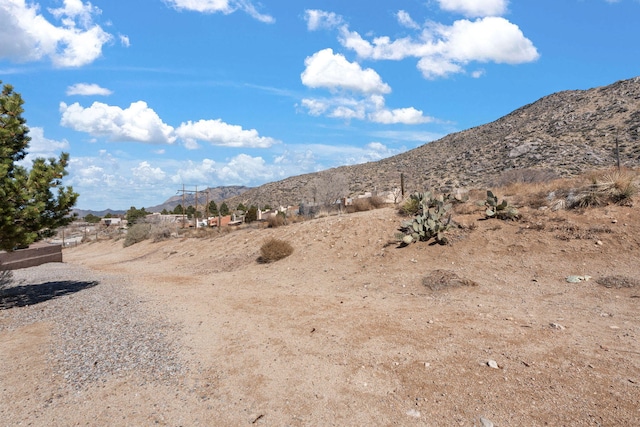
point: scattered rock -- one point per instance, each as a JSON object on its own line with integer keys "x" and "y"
{"x": 578, "y": 279}
{"x": 557, "y": 326}
{"x": 493, "y": 364}
{"x": 414, "y": 413}
{"x": 485, "y": 422}
{"x": 618, "y": 282}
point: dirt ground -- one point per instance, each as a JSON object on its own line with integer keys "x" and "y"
{"x": 347, "y": 331}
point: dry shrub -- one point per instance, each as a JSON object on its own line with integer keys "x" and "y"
{"x": 277, "y": 220}
{"x": 160, "y": 232}
{"x": 444, "y": 279}
{"x": 618, "y": 282}
{"x": 410, "y": 207}
{"x": 613, "y": 186}
{"x": 377, "y": 202}
{"x": 274, "y": 250}
{"x": 360, "y": 205}
{"x": 137, "y": 233}
{"x": 524, "y": 176}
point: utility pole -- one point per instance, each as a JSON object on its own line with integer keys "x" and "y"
{"x": 184, "y": 209}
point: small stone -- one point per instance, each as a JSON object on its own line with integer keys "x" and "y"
{"x": 493, "y": 364}
{"x": 414, "y": 413}
{"x": 485, "y": 422}
{"x": 615, "y": 221}
{"x": 614, "y": 327}
{"x": 599, "y": 243}
{"x": 427, "y": 364}
{"x": 557, "y": 326}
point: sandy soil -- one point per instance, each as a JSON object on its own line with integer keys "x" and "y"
{"x": 345, "y": 332}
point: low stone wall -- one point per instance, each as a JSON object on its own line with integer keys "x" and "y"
{"x": 30, "y": 257}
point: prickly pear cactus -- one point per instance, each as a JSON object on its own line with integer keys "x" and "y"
{"x": 432, "y": 220}
{"x": 499, "y": 210}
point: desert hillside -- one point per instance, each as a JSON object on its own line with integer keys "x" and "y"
{"x": 567, "y": 133}
{"x": 350, "y": 329}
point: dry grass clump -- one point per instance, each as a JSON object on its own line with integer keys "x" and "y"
{"x": 274, "y": 250}
{"x": 524, "y": 176}
{"x": 136, "y": 234}
{"x": 160, "y": 232}
{"x": 361, "y": 205}
{"x": 618, "y": 282}
{"x": 613, "y": 186}
{"x": 277, "y": 220}
{"x": 444, "y": 279}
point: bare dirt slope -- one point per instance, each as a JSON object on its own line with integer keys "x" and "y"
{"x": 346, "y": 332}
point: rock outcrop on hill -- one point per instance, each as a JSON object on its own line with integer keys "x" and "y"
{"x": 567, "y": 132}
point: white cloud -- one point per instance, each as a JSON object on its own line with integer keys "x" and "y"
{"x": 221, "y": 6}
{"x": 405, "y": 20}
{"x": 475, "y": 8}
{"x": 124, "y": 40}
{"x": 319, "y": 19}
{"x": 220, "y": 133}
{"x": 26, "y": 35}
{"x": 39, "y": 146}
{"x": 136, "y": 123}
{"x": 146, "y": 174}
{"x": 443, "y": 50}
{"x": 371, "y": 108}
{"x": 409, "y": 116}
{"x": 324, "y": 69}
{"x": 87, "y": 89}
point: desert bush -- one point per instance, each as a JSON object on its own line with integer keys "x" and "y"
{"x": 137, "y": 233}
{"x": 377, "y": 202}
{"x": 616, "y": 186}
{"x": 361, "y": 205}
{"x": 524, "y": 176}
{"x": 277, "y": 220}
{"x": 160, "y": 232}
{"x": 274, "y": 250}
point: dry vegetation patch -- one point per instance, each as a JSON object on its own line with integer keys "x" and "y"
{"x": 618, "y": 282}
{"x": 274, "y": 250}
{"x": 444, "y": 279}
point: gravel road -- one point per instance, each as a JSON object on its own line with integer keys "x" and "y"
{"x": 101, "y": 328}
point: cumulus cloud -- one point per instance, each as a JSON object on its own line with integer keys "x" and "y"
{"x": 406, "y": 21}
{"x": 319, "y": 19}
{"x": 324, "y": 69}
{"x": 221, "y": 6}
{"x": 146, "y": 174}
{"x": 138, "y": 122}
{"x": 26, "y": 34}
{"x": 39, "y": 146}
{"x": 443, "y": 50}
{"x": 475, "y": 8}
{"x": 87, "y": 89}
{"x": 220, "y": 133}
{"x": 371, "y": 108}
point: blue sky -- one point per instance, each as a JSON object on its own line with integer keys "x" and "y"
{"x": 149, "y": 95}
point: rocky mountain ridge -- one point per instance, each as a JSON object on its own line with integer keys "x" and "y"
{"x": 566, "y": 132}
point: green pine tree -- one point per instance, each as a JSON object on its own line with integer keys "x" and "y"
{"x": 29, "y": 211}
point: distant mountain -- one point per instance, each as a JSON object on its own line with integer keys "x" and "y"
{"x": 84, "y": 212}
{"x": 217, "y": 194}
{"x": 567, "y": 132}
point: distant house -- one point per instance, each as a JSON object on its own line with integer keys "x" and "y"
{"x": 113, "y": 221}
